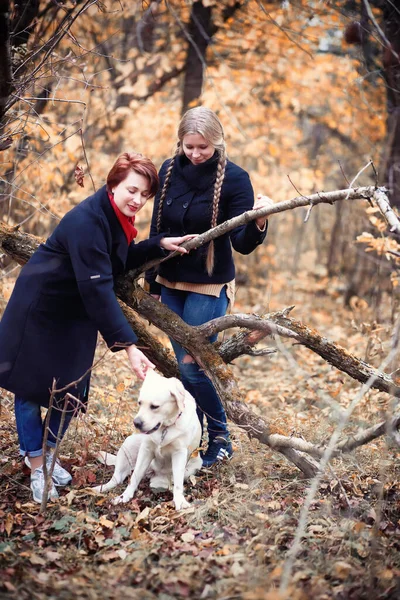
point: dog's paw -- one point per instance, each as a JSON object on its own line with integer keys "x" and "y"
{"x": 118, "y": 499}
{"x": 181, "y": 503}
{"x": 122, "y": 499}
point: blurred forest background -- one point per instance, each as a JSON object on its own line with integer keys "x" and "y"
{"x": 308, "y": 92}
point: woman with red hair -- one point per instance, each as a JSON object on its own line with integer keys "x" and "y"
{"x": 63, "y": 297}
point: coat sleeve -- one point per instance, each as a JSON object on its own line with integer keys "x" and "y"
{"x": 240, "y": 198}
{"x": 91, "y": 262}
{"x": 142, "y": 252}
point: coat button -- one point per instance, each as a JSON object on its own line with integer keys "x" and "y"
{"x": 185, "y": 204}
{"x": 169, "y": 201}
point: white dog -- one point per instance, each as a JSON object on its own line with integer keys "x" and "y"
{"x": 170, "y": 433}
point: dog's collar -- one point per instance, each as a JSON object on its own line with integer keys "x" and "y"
{"x": 166, "y": 427}
{"x": 173, "y": 422}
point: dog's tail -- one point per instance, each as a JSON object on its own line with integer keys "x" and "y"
{"x": 106, "y": 458}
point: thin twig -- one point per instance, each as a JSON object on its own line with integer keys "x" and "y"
{"x": 356, "y": 177}
{"x": 86, "y": 159}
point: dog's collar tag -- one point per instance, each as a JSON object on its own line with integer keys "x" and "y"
{"x": 164, "y": 431}
{"x": 163, "y": 434}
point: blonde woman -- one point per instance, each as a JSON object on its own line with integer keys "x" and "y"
{"x": 200, "y": 188}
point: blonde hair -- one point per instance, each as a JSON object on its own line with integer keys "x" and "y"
{"x": 205, "y": 122}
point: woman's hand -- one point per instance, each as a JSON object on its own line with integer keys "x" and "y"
{"x": 138, "y": 361}
{"x": 262, "y": 202}
{"x": 174, "y": 243}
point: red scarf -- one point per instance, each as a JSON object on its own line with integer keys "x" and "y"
{"x": 127, "y": 223}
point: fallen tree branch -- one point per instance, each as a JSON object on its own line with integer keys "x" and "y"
{"x": 20, "y": 246}
{"x": 264, "y": 324}
{"x": 158, "y": 354}
{"x": 361, "y": 193}
{"x": 283, "y": 325}
{"x": 243, "y": 342}
{"x": 382, "y": 202}
{"x": 348, "y": 444}
{"x": 364, "y": 436}
{"x": 338, "y": 356}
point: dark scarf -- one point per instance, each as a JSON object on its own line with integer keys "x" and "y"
{"x": 197, "y": 177}
{"x": 127, "y": 223}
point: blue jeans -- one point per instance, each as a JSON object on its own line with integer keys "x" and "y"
{"x": 30, "y": 426}
{"x": 196, "y": 309}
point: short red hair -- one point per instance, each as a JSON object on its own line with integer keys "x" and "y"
{"x": 130, "y": 161}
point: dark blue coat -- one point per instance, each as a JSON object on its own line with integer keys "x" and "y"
{"x": 187, "y": 209}
{"x": 63, "y": 296}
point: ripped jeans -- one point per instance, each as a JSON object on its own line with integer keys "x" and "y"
{"x": 196, "y": 309}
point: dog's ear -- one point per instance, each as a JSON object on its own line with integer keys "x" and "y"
{"x": 178, "y": 392}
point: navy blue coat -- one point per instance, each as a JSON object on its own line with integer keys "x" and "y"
{"x": 187, "y": 209}
{"x": 63, "y": 296}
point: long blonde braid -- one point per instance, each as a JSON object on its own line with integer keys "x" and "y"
{"x": 204, "y": 121}
{"x": 165, "y": 186}
{"x": 215, "y": 206}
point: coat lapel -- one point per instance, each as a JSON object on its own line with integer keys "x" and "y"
{"x": 119, "y": 252}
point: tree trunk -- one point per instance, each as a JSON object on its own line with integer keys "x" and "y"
{"x": 5, "y": 59}
{"x": 391, "y": 65}
{"x": 24, "y": 15}
{"x": 199, "y": 33}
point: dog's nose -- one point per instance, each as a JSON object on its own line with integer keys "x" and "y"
{"x": 138, "y": 423}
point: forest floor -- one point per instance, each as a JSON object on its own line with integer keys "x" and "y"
{"x": 233, "y": 542}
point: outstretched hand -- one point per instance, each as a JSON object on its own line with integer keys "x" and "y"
{"x": 174, "y": 243}
{"x": 138, "y": 361}
{"x": 262, "y": 202}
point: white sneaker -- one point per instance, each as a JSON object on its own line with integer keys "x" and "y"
{"x": 60, "y": 475}
{"x": 37, "y": 486}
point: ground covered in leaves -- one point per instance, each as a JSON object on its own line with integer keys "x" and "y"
{"x": 235, "y": 540}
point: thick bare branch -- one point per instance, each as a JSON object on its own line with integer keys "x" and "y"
{"x": 383, "y": 204}
{"x": 361, "y": 193}
{"x": 253, "y": 322}
{"x": 19, "y": 246}
{"x": 244, "y": 342}
{"x": 364, "y": 436}
{"x": 339, "y": 357}
{"x": 149, "y": 344}
{"x": 283, "y": 325}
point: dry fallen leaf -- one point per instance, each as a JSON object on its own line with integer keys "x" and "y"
{"x": 9, "y": 523}
{"x": 79, "y": 175}
{"x": 106, "y": 522}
